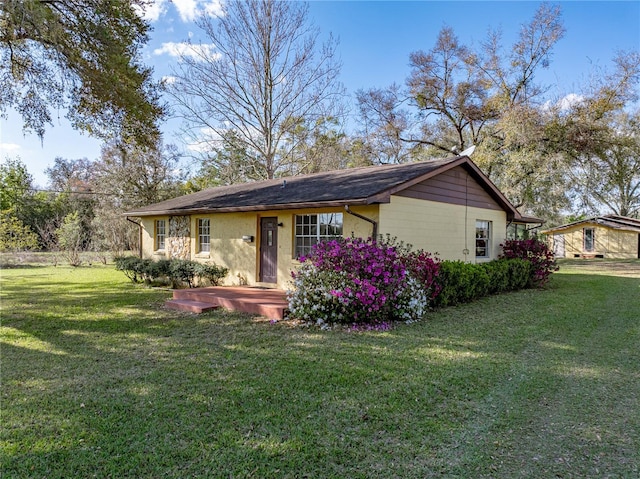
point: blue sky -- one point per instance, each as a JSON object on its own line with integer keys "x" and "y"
{"x": 376, "y": 38}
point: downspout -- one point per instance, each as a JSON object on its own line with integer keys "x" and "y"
{"x": 374, "y": 234}
{"x": 139, "y": 235}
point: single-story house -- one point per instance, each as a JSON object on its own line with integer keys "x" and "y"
{"x": 609, "y": 236}
{"x": 259, "y": 230}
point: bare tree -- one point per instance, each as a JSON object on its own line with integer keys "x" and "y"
{"x": 268, "y": 68}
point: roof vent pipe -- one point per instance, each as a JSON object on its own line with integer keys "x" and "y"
{"x": 374, "y": 234}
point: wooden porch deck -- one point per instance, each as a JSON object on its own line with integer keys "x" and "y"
{"x": 271, "y": 303}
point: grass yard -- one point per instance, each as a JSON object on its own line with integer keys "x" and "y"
{"x": 98, "y": 380}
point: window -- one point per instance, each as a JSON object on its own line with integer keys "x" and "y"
{"x": 483, "y": 239}
{"x": 589, "y": 239}
{"x": 516, "y": 231}
{"x": 204, "y": 235}
{"x": 161, "y": 233}
{"x": 311, "y": 229}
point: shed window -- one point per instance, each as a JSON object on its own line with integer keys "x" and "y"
{"x": 204, "y": 235}
{"x": 311, "y": 229}
{"x": 483, "y": 239}
{"x": 589, "y": 239}
{"x": 160, "y": 234}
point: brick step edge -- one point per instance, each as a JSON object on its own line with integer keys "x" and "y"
{"x": 190, "y": 305}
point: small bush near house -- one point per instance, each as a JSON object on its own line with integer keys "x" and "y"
{"x": 360, "y": 281}
{"x": 461, "y": 282}
{"x": 183, "y": 270}
{"x": 464, "y": 282}
{"x": 156, "y": 271}
{"x": 535, "y": 252}
{"x": 133, "y": 267}
{"x": 174, "y": 271}
{"x": 211, "y": 272}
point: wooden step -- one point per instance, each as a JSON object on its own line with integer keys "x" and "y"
{"x": 190, "y": 305}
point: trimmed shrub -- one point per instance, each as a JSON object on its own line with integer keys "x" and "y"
{"x": 461, "y": 282}
{"x": 183, "y": 270}
{"x": 535, "y": 252}
{"x": 174, "y": 271}
{"x": 211, "y": 272}
{"x": 132, "y": 266}
{"x": 498, "y": 273}
{"x": 157, "y": 271}
{"x": 519, "y": 273}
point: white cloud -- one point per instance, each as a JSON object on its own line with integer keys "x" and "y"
{"x": 9, "y": 147}
{"x": 203, "y": 51}
{"x": 189, "y": 10}
{"x": 186, "y": 9}
{"x": 570, "y": 100}
{"x": 206, "y": 140}
{"x": 565, "y": 103}
{"x": 153, "y": 10}
{"x": 213, "y": 9}
{"x": 168, "y": 80}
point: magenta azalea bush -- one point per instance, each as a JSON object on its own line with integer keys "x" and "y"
{"x": 356, "y": 281}
{"x": 535, "y": 252}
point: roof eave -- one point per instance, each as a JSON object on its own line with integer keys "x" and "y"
{"x": 244, "y": 209}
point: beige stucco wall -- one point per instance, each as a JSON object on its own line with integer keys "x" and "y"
{"x": 148, "y": 232}
{"x": 242, "y": 259}
{"x": 436, "y": 227}
{"x": 609, "y": 243}
{"x": 441, "y": 228}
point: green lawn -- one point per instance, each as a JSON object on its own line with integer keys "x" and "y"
{"x": 98, "y": 380}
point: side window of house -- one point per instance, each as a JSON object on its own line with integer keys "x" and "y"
{"x": 589, "y": 239}
{"x": 204, "y": 235}
{"x": 483, "y": 239}
{"x": 311, "y": 229}
{"x": 161, "y": 234}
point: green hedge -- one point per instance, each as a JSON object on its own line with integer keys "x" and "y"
{"x": 177, "y": 272}
{"x": 464, "y": 282}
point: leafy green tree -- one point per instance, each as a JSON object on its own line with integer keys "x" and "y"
{"x": 608, "y": 178}
{"x": 71, "y": 238}
{"x": 228, "y": 162}
{"x": 597, "y": 135}
{"x": 315, "y": 146}
{"x": 16, "y": 183}
{"x": 15, "y": 236}
{"x": 83, "y": 57}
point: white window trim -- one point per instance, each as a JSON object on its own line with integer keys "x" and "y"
{"x": 156, "y": 243}
{"x": 488, "y": 246}
{"x": 593, "y": 240}
{"x": 199, "y": 243}
{"x": 338, "y": 220}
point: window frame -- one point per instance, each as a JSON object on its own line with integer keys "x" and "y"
{"x": 159, "y": 244}
{"x": 306, "y": 234}
{"x": 593, "y": 240}
{"x": 487, "y": 239}
{"x": 204, "y": 247}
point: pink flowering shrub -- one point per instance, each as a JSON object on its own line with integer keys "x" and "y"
{"x": 361, "y": 281}
{"x": 535, "y": 252}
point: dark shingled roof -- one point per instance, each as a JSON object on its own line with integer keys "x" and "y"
{"x": 355, "y": 186}
{"x": 610, "y": 221}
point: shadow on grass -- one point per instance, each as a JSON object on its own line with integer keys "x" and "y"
{"x": 535, "y": 384}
